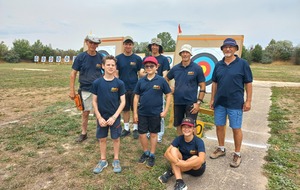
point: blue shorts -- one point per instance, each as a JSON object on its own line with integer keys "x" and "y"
{"x": 235, "y": 117}
{"x": 115, "y": 130}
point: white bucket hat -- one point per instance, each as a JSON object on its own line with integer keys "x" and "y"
{"x": 93, "y": 38}
{"x": 186, "y": 47}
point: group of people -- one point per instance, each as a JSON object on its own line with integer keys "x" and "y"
{"x": 129, "y": 85}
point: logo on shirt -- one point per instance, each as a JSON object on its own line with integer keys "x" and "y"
{"x": 156, "y": 87}
{"x": 133, "y": 63}
{"x": 193, "y": 152}
{"x": 114, "y": 89}
{"x": 191, "y": 73}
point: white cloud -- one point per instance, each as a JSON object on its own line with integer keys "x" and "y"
{"x": 64, "y": 24}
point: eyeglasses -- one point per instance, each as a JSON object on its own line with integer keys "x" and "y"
{"x": 149, "y": 66}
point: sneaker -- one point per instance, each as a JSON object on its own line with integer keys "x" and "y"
{"x": 236, "y": 161}
{"x": 125, "y": 133}
{"x": 159, "y": 139}
{"x": 117, "y": 167}
{"x": 81, "y": 138}
{"x": 180, "y": 185}
{"x": 143, "y": 158}
{"x": 100, "y": 166}
{"x": 135, "y": 134}
{"x": 148, "y": 135}
{"x": 217, "y": 153}
{"x": 166, "y": 176}
{"x": 150, "y": 162}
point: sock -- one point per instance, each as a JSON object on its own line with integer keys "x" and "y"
{"x": 135, "y": 126}
{"x": 179, "y": 180}
{"x": 147, "y": 152}
{"x": 222, "y": 148}
{"x": 151, "y": 155}
{"x": 237, "y": 153}
{"x": 126, "y": 126}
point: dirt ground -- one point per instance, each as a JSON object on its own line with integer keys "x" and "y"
{"x": 16, "y": 104}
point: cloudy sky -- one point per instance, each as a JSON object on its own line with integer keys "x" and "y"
{"x": 65, "y": 23}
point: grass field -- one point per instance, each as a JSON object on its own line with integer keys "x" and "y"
{"x": 39, "y": 124}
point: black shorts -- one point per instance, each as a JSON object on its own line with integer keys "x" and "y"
{"x": 182, "y": 111}
{"x": 149, "y": 123}
{"x": 198, "y": 172}
{"x": 128, "y": 101}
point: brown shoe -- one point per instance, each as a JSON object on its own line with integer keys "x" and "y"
{"x": 81, "y": 138}
{"x": 236, "y": 161}
{"x": 217, "y": 153}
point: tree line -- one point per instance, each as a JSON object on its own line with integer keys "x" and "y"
{"x": 275, "y": 50}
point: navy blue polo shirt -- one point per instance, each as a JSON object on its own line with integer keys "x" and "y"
{"x": 151, "y": 95}
{"x": 187, "y": 80}
{"x": 189, "y": 149}
{"x": 108, "y": 95}
{"x": 128, "y": 66}
{"x": 230, "y": 81}
{"x": 163, "y": 64}
{"x": 89, "y": 68}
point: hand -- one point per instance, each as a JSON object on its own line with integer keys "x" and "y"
{"x": 102, "y": 122}
{"x": 135, "y": 118}
{"x": 72, "y": 95}
{"x": 111, "y": 120}
{"x": 247, "y": 106}
{"x": 163, "y": 114}
{"x": 195, "y": 108}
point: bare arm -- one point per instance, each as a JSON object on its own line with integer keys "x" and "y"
{"x": 113, "y": 118}
{"x": 168, "y": 102}
{"x": 72, "y": 83}
{"x": 101, "y": 120}
{"x": 213, "y": 93}
{"x": 247, "y": 104}
{"x": 169, "y": 156}
{"x": 135, "y": 107}
{"x": 201, "y": 95}
{"x": 194, "y": 162}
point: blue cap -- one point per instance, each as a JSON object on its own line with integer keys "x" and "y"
{"x": 229, "y": 42}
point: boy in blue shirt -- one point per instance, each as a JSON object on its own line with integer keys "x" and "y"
{"x": 128, "y": 70}
{"x": 147, "y": 108}
{"x": 108, "y": 101}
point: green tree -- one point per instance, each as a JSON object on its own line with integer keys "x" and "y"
{"x": 37, "y": 48}
{"x": 256, "y": 53}
{"x": 141, "y": 47}
{"x": 281, "y": 50}
{"x": 3, "y": 50}
{"x": 246, "y": 54}
{"x": 167, "y": 41}
{"x": 11, "y": 57}
{"x": 297, "y": 55}
{"x": 23, "y": 49}
{"x": 48, "y": 51}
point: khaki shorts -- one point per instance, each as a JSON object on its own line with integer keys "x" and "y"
{"x": 87, "y": 99}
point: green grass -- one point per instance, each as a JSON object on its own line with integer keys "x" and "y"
{"x": 283, "y": 157}
{"x": 269, "y": 72}
{"x": 40, "y": 152}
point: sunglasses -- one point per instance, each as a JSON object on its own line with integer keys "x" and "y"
{"x": 149, "y": 66}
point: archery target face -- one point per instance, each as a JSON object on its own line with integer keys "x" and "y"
{"x": 207, "y": 58}
{"x": 170, "y": 59}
